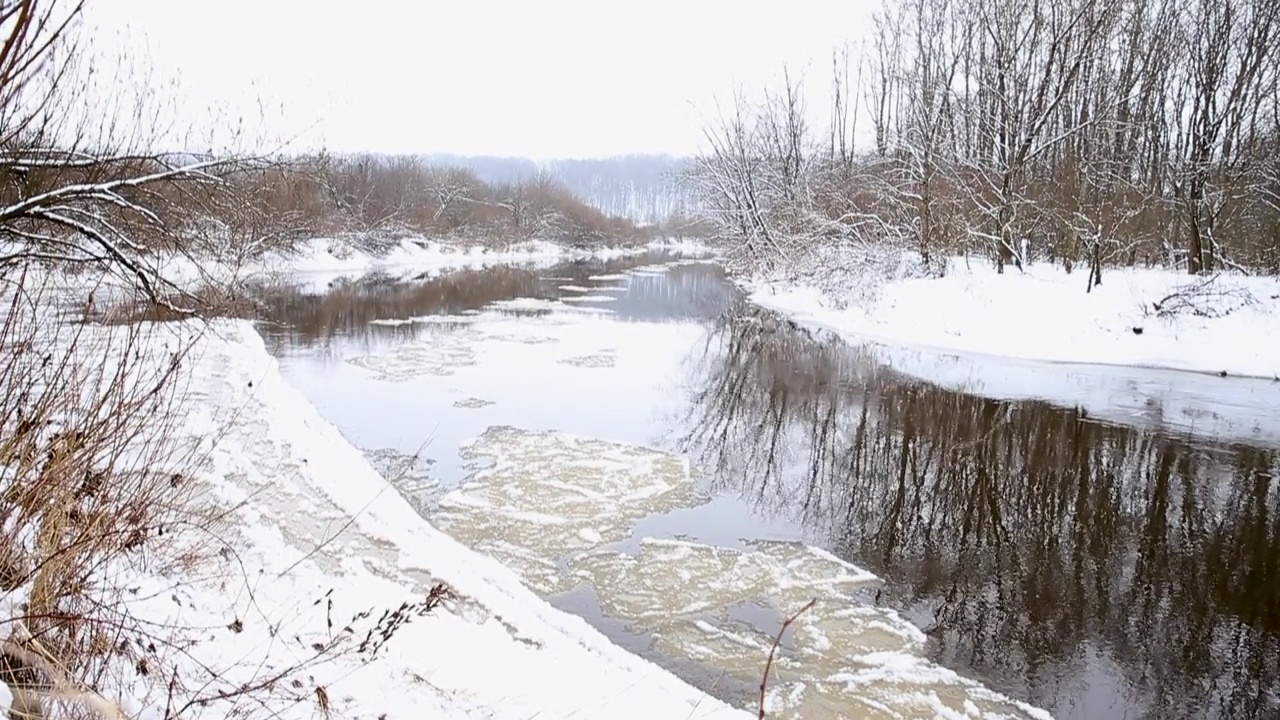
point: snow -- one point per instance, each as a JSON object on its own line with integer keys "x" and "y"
{"x": 328, "y": 256}
{"x": 1044, "y": 314}
{"x": 1168, "y": 401}
{"x": 310, "y": 520}
{"x": 556, "y": 484}
{"x": 842, "y": 655}
{"x": 323, "y": 260}
{"x": 686, "y": 246}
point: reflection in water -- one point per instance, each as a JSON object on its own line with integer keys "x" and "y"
{"x": 550, "y": 503}
{"x": 1095, "y": 570}
{"x": 378, "y": 309}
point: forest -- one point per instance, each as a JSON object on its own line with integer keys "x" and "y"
{"x": 1087, "y": 132}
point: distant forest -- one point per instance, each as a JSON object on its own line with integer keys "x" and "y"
{"x": 642, "y": 188}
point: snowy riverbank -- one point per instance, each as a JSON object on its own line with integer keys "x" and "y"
{"x": 314, "y": 521}
{"x": 319, "y": 261}
{"x": 333, "y": 258}
{"x": 1044, "y": 314}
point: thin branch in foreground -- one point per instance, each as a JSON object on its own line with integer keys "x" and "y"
{"x": 777, "y": 640}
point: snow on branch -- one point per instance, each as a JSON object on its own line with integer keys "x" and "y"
{"x": 1207, "y": 298}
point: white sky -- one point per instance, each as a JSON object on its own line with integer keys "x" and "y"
{"x": 535, "y": 78}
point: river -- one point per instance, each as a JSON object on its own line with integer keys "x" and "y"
{"x": 684, "y": 470}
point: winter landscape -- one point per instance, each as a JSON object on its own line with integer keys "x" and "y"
{"x": 929, "y": 367}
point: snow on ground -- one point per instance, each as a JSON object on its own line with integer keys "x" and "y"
{"x": 1045, "y": 314}
{"x": 324, "y": 260}
{"x": 330, "y": 259}
{"x": 314, "y": 521}
{"x": 330, "y": 256}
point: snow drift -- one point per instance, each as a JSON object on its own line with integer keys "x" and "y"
{"x": 1138, "y": 317}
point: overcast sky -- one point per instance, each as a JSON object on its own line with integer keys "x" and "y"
{"x": 536, "y": 78}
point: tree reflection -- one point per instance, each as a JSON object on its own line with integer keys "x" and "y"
{"x": 347, "y": 310}
{"x": 1096, "y": 570}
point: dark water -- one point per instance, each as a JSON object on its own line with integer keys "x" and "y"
{"x": 1095, "y": 569}
{"x": 1092, "y": 569}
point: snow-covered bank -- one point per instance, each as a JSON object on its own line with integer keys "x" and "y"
{"x": 686, "y": 246}
{"x": 1167, "y": 401}
{"x": 321, "y": 260}
{"x": 316, "y": 522}
{"x": 1045, "y": 314}
{"x": 338, "y": 258}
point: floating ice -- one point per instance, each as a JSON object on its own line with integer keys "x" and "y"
{"x": 842, "y": 659}
{"x": 542, "y": 306}
{"x": 551, "y": 495}
{"x": 460, "y": 319}
{"x": 575, "y": 288}
{"x": 447, "y": 320}
{"x": 410, "y": 475}
{"x": 527, "y": 304}
{"x": 442, "y": 353}
{"x": 436, "y": 355}
{"x": 523, "y": 335}
{"x": 472, "y": 403}
{"x": 590, "y": 298}
{"x": 609, "y": 276}
{"x": 603, "y": 360}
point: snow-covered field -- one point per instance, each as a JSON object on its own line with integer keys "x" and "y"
{"x": 1044, "y": 314}
{"x": 319, "y": 536}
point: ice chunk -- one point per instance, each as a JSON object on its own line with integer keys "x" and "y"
{"x": 549, "y": 496}
{"x": 842, "y": 658}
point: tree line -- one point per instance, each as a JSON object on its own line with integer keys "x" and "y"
{"x": 88, "y": 206}
{"x": 81, "y": 185}
{"x": 1085, "y": 132}
{"x": 408, "y": 195}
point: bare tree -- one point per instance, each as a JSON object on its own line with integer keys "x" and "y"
{"x": 1231, "y": 72}
{"x": 1093, "y": 132}
{"x": 77, "y": 194}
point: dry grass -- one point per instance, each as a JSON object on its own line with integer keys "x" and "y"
{"x": 96, "y": 492}
{"x": 208, "y": 301}
{"x": 87, "y": 492}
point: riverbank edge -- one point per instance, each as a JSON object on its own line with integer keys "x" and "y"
{"x": 498, "y": 651}
{"x": 1041, "y": 315}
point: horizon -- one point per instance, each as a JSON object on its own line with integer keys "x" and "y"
{"x": 563, "y": 80}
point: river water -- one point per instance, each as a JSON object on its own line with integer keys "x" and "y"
{"x": 684, "y": 470}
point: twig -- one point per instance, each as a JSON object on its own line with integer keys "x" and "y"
{"x": 63, "y": 688}
{"x": 764, "y": 681}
